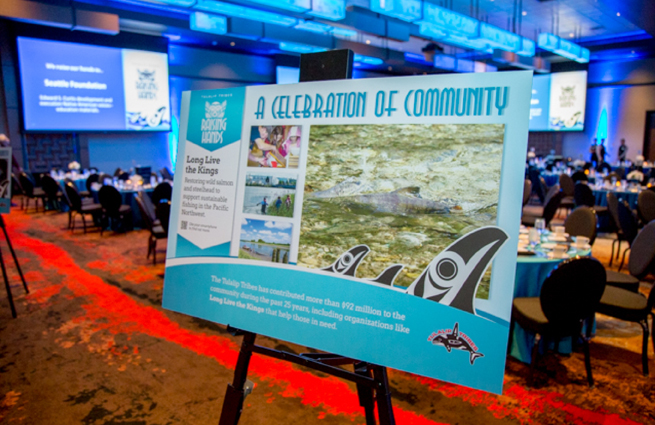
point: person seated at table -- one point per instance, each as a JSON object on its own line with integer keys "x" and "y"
{"x": 636, "y": 175}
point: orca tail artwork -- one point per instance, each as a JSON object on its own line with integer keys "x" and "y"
{"x": 368, "y": 227}
{"x": 452, "y": 278}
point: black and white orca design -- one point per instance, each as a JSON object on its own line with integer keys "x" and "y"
{"x": 349, "y": 261}
{"x": 388, "y": 275}
{"x": 454, "y": 341}
{"x": 453, "y": 276}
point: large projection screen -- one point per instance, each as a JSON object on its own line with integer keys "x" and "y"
{"x": 558, "y": 101}
{"x": 79, "y": 87}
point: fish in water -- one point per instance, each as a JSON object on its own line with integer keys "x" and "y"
{"x": 454, "y": 341}
{"x": 402, "y": 201}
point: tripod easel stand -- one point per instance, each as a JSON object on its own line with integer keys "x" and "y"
{"x": 4, "y": 269}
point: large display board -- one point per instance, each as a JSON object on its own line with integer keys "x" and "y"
{"x": 79, "y": 87}
{"x": 357, "y": 217}
{"x": 558, "y": 101}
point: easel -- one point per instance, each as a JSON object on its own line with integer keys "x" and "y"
{"x": 4, "y": 269}
{"x": 371, "y": 380}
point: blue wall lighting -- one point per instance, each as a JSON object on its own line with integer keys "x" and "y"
{"x": 500, "y": 38}
{"x": 548, "y": 41}
{"x": 299, "y": 48}
{"x": 334, "y": 10}
{"x": 292, "y": 5}
{"x": 368, "y": 60}
{"x": 466, "y": 43}
{"x": 584, "y": 55}
{"x": 406, "y": 10}
{"x": 447, "y": 20}
{"x": 602, "y": 126}
{"x": 416, "y": 58}
{"x": 343, "y": 32}
{"x": 465, "y": 65}
{"x": 245, "y": 12}
{"x": 567, "y": 49}
{"x": 213, "y": 24}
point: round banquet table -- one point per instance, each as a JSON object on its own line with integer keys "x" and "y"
{"x": 550, "y": 178}
{"x": 531, "y": 272}
{"x": 629, "y": 195}
{"x": 80, "y": 183}
{"x": 128, "y": 197}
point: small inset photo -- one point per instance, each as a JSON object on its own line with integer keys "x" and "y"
{"x": 275, "y": 146}
{"x": 265, "y": 240}
{"x": 270, "y": 195}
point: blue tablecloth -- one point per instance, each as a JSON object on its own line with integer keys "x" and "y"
{"x": 80, "y": 184}
{"x": 551, "y": 179}
{"x": 630, "y": 197}
{"x": 531, "y": 272}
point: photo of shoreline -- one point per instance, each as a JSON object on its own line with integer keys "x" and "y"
{"x": 406, "y": 191}
{"x": 265, "y": 240}
{"x": 270, "y": 195}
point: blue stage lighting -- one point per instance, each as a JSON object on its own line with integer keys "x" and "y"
{"x": 246, "y": 13}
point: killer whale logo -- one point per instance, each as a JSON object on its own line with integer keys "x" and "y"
{"x": 456, "y": 340}
{"x": 451, "y": 278}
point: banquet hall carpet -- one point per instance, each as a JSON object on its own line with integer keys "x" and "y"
{"x": 92, "y": 345}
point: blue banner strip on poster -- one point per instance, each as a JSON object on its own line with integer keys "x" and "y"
{"x": 331, "y": 313}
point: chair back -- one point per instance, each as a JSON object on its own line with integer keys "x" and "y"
{"x": 583, "y": 196}
{"x": 110, "y": 199}
{"x": 552, "y": 206}
{"x": 93, "y": 178}
{"x": 551, "y": 192}
{"x": 27, "y": 184}
{"x": 73, "y": 196}
{"x": 571, "y": 293}
{"x": 646, "y": 206}
{"x": 147, "y": 205}
{"x": 579, "y": 176}
{"x": 102, "y": 177}
{"x": 627, "y": 222}
{"x": 611, "y": 176}
{"x": 527, "y": 191}
{"x": 613, "y": 207}
{"x": 166, "y": 174}
{"x": 582, "y": 222}
{"x": 118, "y": 172}
{"x": 144, "y": 212}
{"x": 604, "y": 167}
{"x": 163, "y": 191}
{"x": 124, "y": 176}
{"x": 16, "y": 188}
{"x": 642, "y": 252}
{"x": 49, "y": 186}
{"x": 164, "y": 214}
{"x": 620, "y": 172}
{"x": 144, "y": 172}
{"x": 567, "y": 184}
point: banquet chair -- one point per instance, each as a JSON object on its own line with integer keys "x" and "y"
{"x": 17, "y": 189}
{"x": 77, "y": 207}
{"x": 52, "y": 193}
{"x": 585, "y": 197}
{"x": 538, "y": 210}
{"x": 166, "y": 174}
{"x": 640, "y": 263}
{"x": 113, "y": 209}
{"x": 568, "y": 187}
{"x": 102, "y": 177}
{"x": 582, "y": 222}
{"x": 549, "y": 211}
{"x": 629, "y": 227}
{"x": 157, "y": 231}
{"x": 646, "y": 206}
{"x": 93, "y": 178}
{"x": 163, "y": 192}
{"x": 527, "y": 191}
{"x": 610, "y": 176}
{"x": 579, "y": 176}
{"x": 124, "y": 176}
{"x": 569, "y": 296}
{"x": 31, "y": 192}
{"x": 613, "y": 208}
{"x": 633, "y": 306}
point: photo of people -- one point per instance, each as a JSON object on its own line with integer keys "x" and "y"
{"x": 275, "y": 147}
{"x": 265, "y": 240}
{"x": 270, "y": 195}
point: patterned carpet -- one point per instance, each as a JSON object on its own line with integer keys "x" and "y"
{"x": 92, "y": 345}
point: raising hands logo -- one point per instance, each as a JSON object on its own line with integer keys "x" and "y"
{"x": 214, "y": 123}
{"x": 146, "y": 86}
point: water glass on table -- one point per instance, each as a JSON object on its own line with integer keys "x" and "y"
{"x": 540, "y": 225}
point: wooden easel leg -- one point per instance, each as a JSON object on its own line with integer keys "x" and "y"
{"x": 235, "y": 394}
{"x": 383, "y": 395}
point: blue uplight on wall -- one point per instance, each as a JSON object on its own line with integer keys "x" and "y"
{"x": 601, "y": 133}
{"x": 245, "y": 13}
{"x": 173, "y": 139}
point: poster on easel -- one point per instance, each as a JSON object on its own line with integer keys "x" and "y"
{"x": 5, "y": 180}
{"x": 377, "y": 219}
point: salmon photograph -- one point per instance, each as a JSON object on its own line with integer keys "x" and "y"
{"x": 404, "y": 192}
